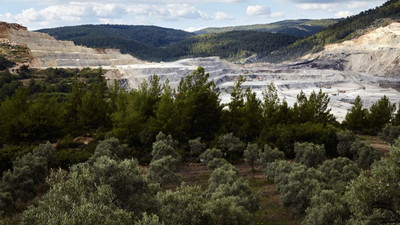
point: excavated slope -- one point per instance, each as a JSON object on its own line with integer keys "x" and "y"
{"x": 49, "y": 52}
{"x": 375, "y": 53}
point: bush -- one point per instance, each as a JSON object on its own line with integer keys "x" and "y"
{"x": 251, "y": 155}
{"x": 309, "y": 154}
{"x": 196, "y": 147}
{"x": 163, "y": 170}
{"x": 269, "y": 155}
{"x": 231, "y": 146}
{"x": 346, "y": 139}
{"x": 211, "y": 154}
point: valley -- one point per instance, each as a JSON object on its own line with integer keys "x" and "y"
{"x": 366, "y": 66}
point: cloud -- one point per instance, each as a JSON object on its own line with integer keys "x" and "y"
{"x": 357, "y": 5}
{"x": 258, "y": 10}
{"x": 343, "y": 14}
{"x": 222, "y": 16}
{"x": 315, "y": 6}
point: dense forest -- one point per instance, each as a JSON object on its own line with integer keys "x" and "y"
{"x": 346, "y": 29}
{"x": 115, "y": 153}
{"x": 161, "y": 44}
{"x": 298, "y": 28}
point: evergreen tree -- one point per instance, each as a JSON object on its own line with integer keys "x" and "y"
{"x": 356, "y": 118}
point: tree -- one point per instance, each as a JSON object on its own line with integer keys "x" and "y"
{"x": 112, "y": 148}
{"x": 390, "y": 133}
{"x": 309, "y": 154}
{"x": 364, "y": 154}
{"x": 299, "y": 187}
{"x": 269, "y": 155}
{"x": 337, "y": 173}
{"x": 327, "y": 207}
{"x": 252, "y": 117}
{"x": 346, "y": 139}
{"x": 313, "y": 109}
{"x": 251, "y": 155}
{"x": 236, "y": 106}
{"x": 380, "y": 113}
{"x": 71, "y": 202}
{"x": 183, "y": 206}
{"x": 374, "y": 197}
{"x": 271, "y": 104}
{"x": 198, "y": 106}
{"x": 196, "y": 147}
{"x": 356, "y": 118}
{"x": 164, "y": 146}
{"x": 226, "y": 211}
{"x": 231, "y": 146}
{"x": 163, "y": 170}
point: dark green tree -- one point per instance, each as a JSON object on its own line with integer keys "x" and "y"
{"x": 356, "y": 118}
{"x": 380, "y": 113}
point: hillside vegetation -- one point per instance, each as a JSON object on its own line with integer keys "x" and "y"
{"x": 161, "y": 44}
{"x": 346, "y": 29}
{"x": 298, "y": 28}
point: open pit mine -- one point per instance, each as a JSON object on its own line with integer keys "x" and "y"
{"x": 368, "y": 66}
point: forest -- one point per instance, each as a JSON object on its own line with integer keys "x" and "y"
{"x": 75, "y": 150}
{"x": 161, "y": 44}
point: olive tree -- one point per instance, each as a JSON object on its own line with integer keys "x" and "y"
{"x": 183, "y": 206}
{"x": 269, "y": 155}
{"x": 251, "y": 155}
{"x": 309, "y": 154}
{"x": 346, "y": 139}
{"x": 196, "y": 146}
{"x": 374, "y": 197}
{"x": 231, "y": 146}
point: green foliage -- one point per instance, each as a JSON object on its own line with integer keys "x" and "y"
{"x": 111, "y": 148}
{"x": 231, "y": 146}
{"x": 69, "y": 201}
{"x": 236, "y": 106}
{"x": 251, "y": 155}
{"x": 374, "y": 196}
{"x": 313, "y": 109}
{"x": 357, "y": 116}
{"x": 183, "y": 206}
{"x": 163, "y": 170}
{"x": 163, "y": 147}
{"x": 327, "y": 207}
{"x": 226, "y": 211}
{"x": 337, "y": 173}
{"x": 252, "y": 117}
{"x": 380, "y": 113}
{"x": 152, "y": 219}
{"x": 161, "y": 44}
{"x": 224, "y": 182}
{"x": 298, "y": 28}
{"x": 300, "y": 186}
{"x": 390, "y": 133}
{"x": 199, "y": 107}
{"x": 364, "y": 154}
{"x": 196, "y": 147}
{"x": 309, "y": 154}
{"x": 211, "y": 154}
{"x": 345, "y": 139}
{"x": 269, "y": 155}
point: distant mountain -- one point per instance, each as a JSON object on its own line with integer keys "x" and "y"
{"x": 162, "y": 44}
{"x": 349, "y": 28}
{"x": 298, "y": 28}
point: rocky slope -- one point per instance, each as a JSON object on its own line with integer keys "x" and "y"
{"x": 375, "y": 53}
{"x": 48, "y": 52}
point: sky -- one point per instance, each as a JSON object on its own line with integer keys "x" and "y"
{"x": 187, "y": 15}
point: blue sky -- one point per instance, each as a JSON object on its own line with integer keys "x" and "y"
{"x": 183, "y": 14}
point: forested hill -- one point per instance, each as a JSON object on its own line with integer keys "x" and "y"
{"x": 298, "y": 28}
{"x": 346, "y": 29}
{"x": 161, "y": 44}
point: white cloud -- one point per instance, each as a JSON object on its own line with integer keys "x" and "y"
{"x": 343, "y": 14}
{"x": 316, "y": 6}
{"x": 193, "y": 29}
{"x": 258, "y": 10}
{"x": 357, "y": 5}
{"x": 222, "y": 16}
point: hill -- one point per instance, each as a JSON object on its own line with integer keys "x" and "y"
{"x": 349, "y": 28}
{"x": 162, "y": 44}
{"x": 298, "y": 28}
